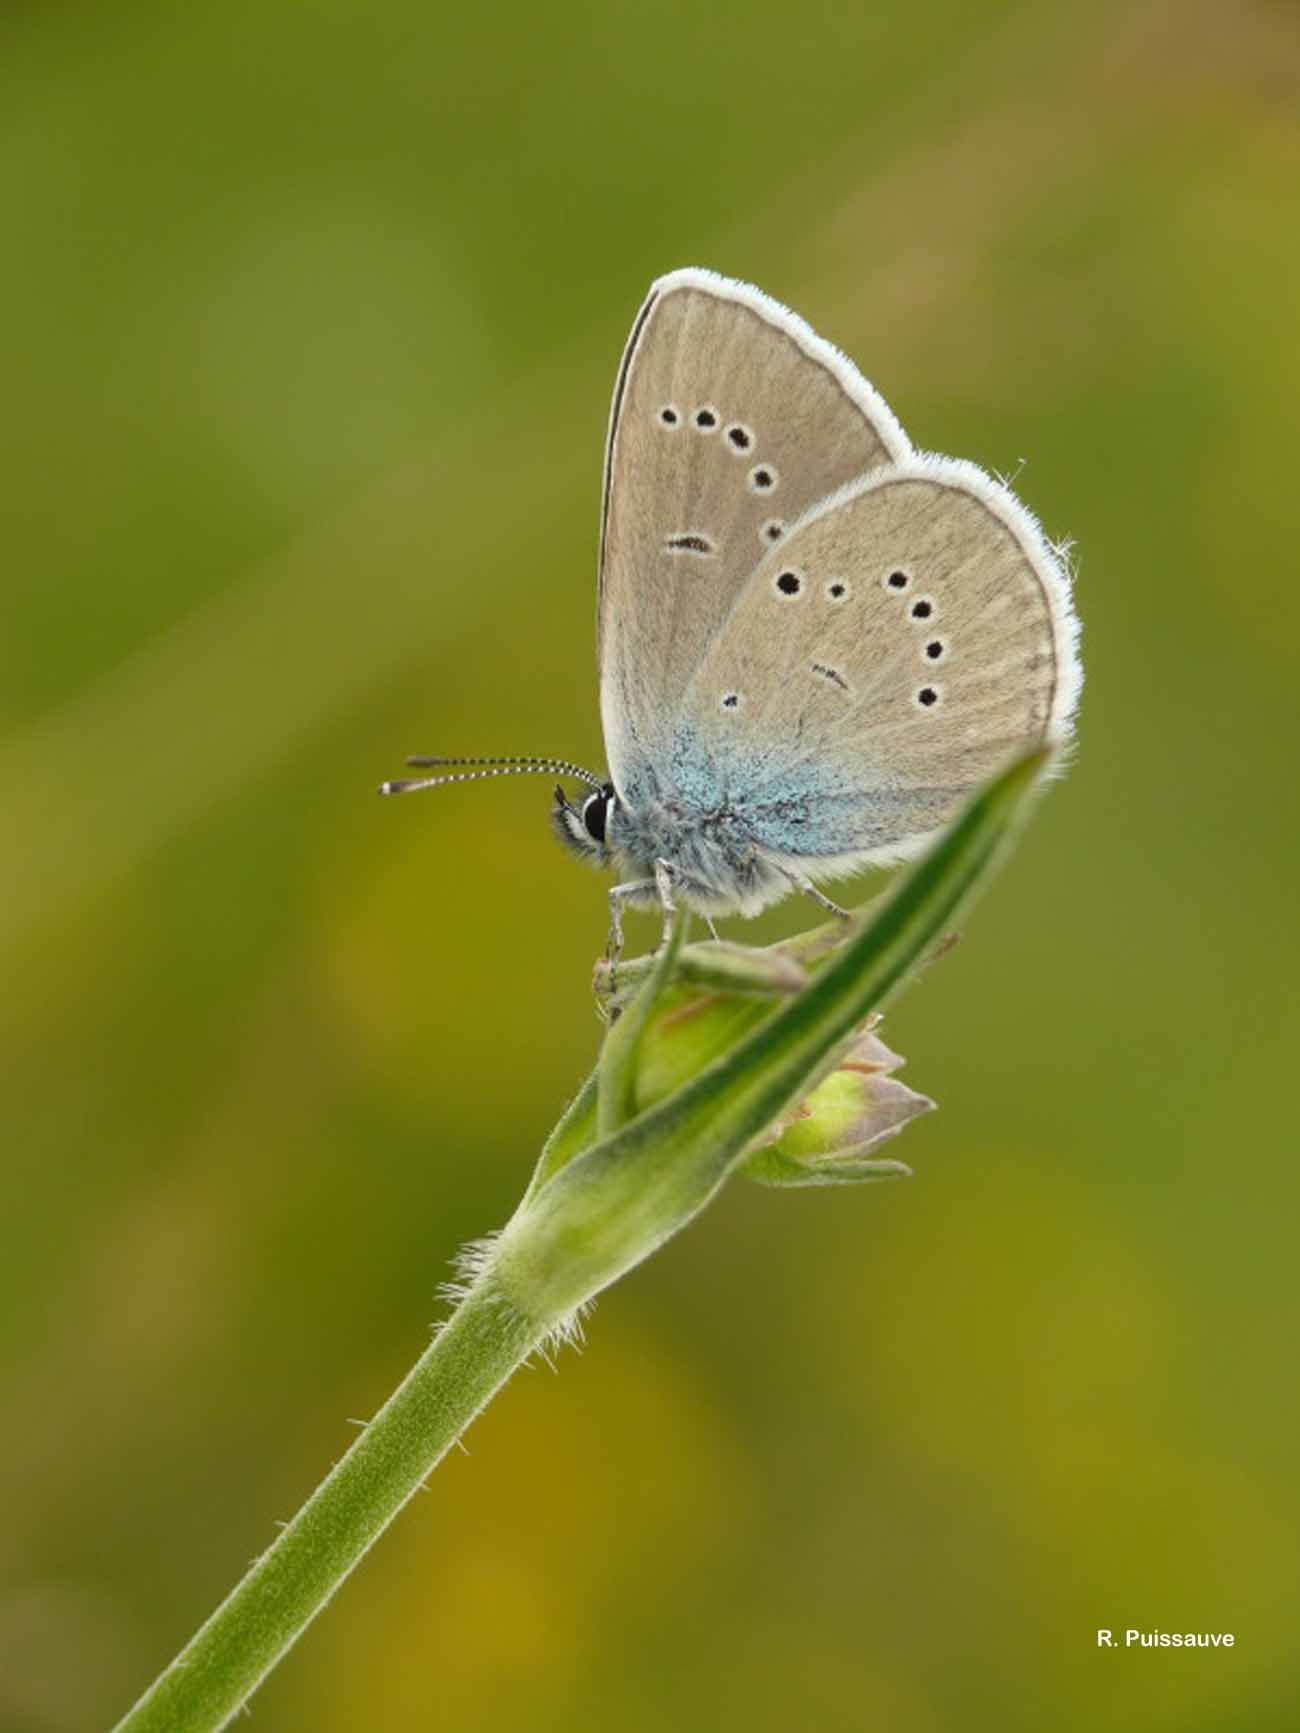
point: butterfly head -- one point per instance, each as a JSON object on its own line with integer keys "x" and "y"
{"x": 584, "y": 827}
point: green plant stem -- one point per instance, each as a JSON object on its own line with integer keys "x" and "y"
{"x": 604, "y": 1196}
{"x": 475, "y": 1352}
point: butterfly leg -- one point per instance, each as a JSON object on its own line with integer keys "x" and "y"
{"x": 809, "y": 889}
{"x": 634, "y": 891}
{"x": 619, "y": 897}
{"x": 664, "y": 885}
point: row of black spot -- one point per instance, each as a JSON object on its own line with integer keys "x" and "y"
{"x": 706, "y": 419}
{"x": 762, "y": 478}
{"x": 935, "y": 650}
{"x": 790, "y": 583}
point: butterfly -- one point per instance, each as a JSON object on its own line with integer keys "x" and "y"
{"x": 814, "y": 641}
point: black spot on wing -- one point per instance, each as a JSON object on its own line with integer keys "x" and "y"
{"x": 689, "y": 542}
{"x": 831, "y": 674}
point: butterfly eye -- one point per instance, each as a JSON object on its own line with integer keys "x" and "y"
{"x": 595, "y": 810}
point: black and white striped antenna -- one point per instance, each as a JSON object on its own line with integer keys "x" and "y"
{"x": 521, "y": 766}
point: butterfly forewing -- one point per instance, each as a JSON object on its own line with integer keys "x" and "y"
{"x": 896, "y": 648}
{"x": 730, "y": 419}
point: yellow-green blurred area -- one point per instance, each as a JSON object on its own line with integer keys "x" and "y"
{"x": 309, "y": 321}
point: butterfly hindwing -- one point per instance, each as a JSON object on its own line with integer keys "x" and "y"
{"x": 904, "y": 640}
{"x": 730, "y": 419}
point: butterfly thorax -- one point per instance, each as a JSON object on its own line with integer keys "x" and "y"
{"x": 717, "y": 869}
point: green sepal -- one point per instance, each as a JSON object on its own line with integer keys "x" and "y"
{"x": 772, "y": 1167}
{"x": 713, "y": 966}
{"x": 616, "y": 1073}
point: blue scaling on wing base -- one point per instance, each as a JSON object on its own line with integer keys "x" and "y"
{"x": 717, "y": 816}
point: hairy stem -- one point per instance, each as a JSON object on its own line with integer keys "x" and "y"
{"x": 482, "y": 1343}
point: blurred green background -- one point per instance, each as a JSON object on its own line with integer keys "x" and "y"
{"x": 310, "y": 319}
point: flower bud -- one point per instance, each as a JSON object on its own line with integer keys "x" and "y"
{"x": 717, "y": 996}
{"x": 832, "y": 1136}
